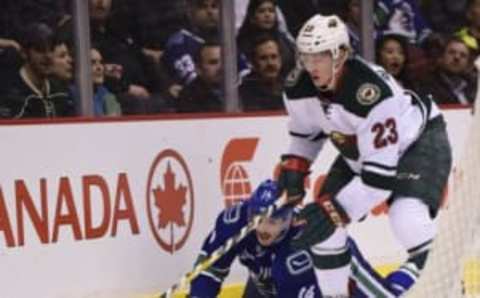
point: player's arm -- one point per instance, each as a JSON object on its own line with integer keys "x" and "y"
{"x": 305, "y": 144}
{"x": 378, "y": 137}
{"x": 378, "y": 141}
{"x": 228, "y": 223}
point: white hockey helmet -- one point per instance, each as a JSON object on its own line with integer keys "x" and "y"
{"x": 323, "y": 33}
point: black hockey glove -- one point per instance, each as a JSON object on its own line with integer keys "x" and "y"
{"x": 293, "y": 170}
{"x": 319, "y": 220}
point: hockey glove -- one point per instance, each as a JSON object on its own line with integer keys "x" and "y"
{"x": 293, "y": 170}
{"x": 320, "y": 219}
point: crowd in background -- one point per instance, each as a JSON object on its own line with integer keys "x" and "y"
{"x": 151, "y": 57}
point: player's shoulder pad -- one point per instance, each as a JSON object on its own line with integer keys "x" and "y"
{"x": 229, "y": 222}
{"x": 363, "y": 87}
{"x": 234, "y": 217}
{"x": 298, "y": 85}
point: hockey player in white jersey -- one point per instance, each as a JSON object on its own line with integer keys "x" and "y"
{"x": 392, "y": 143}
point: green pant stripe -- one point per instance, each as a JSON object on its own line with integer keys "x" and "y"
{"x": 367, "y": 283}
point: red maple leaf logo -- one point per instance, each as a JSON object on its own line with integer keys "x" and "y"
{"x": 170, "y": 200}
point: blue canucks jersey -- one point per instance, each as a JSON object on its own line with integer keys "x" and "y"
{"x": 277, "y": 271}
{"x": 179, "y": 52}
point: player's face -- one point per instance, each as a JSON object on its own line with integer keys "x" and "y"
{"x": 319, "y": 66}
{"x": 267, "y": 61}
{"x": 210, "y": 68}
{"x": 98, "y": 69}
{"x": 269, "y": 229}
{"x": 392, "y": 57}
{"x": 62, "y": 63}
{"x": 264, "y": 16}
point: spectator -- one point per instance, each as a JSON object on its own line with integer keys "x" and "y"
{"x": 116, "y": 44}
{"x": 104, "y": 102}
{"x": 241, "y": 11}
{"x": 261, "y": 19}
{"x": 29, "y": 93}
{"x": 203, "y": 16}
{"x": 445, "y": 16}
{"x": 109, "y": 31}
{"x": 402, "y": 17}
{"x": 392, "y": 53}
{"x": 62, "y": 63}
{"x": 61, "y": 68}
{"x": 452, "y": 80}
{"x": 16, "y": 15}
{"x": 262, "y": 89}
{"x": 153, "y": 22}
{"x": 470, "y": 34}
{"x": 204, "y": 93}
{"x": 297, "y": 12}
{"x": 9, "y": 43}
{"x": 351, "y": 15}
{"x": 50, "y": 12}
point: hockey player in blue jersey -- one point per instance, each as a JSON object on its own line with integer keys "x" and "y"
{"x": 275, "y": 269}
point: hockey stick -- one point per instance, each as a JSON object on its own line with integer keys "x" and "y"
{"x": 188, "y": 277}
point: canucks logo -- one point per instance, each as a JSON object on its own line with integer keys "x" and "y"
{"x": 299, "y": 262}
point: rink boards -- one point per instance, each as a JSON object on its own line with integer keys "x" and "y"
{"x": 120, "y": 208}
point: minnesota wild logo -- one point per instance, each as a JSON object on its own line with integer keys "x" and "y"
{"x": 368, "y": 94}
{"x": 346, "y": 144}
{"x": 338, "y": 138}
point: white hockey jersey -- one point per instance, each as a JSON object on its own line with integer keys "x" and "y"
{"x": 370, "y": 119}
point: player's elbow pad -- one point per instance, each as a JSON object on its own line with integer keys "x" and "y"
{"x": 378, "y": 181}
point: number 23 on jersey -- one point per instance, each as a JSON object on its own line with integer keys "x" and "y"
{"x": 385, "y": 133}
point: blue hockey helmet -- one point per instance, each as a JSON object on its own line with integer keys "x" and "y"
{"x": 264, "y": 196}
{"x": 273, "y": 229}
